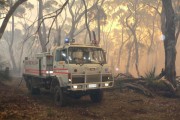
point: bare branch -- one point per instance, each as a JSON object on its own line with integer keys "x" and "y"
{"x": 8, "y": 15}
{"x": 86, "y": 20}
{"x": 55, "y": 17}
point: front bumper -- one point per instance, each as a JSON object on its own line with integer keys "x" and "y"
{"x": 90, "y": 81}
{"x": 90, "y": 86}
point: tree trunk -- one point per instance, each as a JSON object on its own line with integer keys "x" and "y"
{"x": 137, "y": 52}
{"x": 99, "y": 25}
{"x": 86, "y": 20}
{"x": 129, "y": 57}
{"x": 132, "y": 28}
{"x": 59, "y": 36}
{"x": 151, "y": 42}
{"x": 120, "y": 49}
{"x": 11, "y": 46}
{"x": 169, "y": 42}
{"x": 21, "y": 55}
{"x": 41, "y": 38}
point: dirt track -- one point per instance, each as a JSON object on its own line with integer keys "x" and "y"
{"x": 18, "y": 104}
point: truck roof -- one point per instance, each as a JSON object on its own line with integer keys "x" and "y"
{"x": 76, "y": 45}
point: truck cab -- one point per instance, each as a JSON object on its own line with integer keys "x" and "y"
{"x": 82, "y": 67}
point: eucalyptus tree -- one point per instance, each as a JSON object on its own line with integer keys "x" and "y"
{"x": 86, "y": 20}
{"x": 24, "y": 20}
{"x": 12, "y": 7}
{"x": 8, "y": 16}
{"x": 16, "y": 36}
{"x": 51, "y": 6}
{"x": 176, "y": 6}
{"x": 132, "y": 26}
{"x": 77, "y": 11}
{"x": 100, "y": 16}
{"x": 170, "y": 41}
{"x": 41, "y": 27}
{"x": 11, "y": 52}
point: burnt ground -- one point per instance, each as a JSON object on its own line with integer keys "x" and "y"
{"x": 16, "y": 103}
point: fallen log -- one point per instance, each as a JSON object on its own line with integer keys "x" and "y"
{"x": 139, "y": 88}
{"x": 143, "y": 85}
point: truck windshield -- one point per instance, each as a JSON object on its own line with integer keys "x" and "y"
{"x": 86, "y": 55}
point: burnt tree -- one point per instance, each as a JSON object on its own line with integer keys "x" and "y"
{"x": 168, "y": 29}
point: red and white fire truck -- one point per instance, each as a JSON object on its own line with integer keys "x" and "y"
{"x": 70, "y": 70}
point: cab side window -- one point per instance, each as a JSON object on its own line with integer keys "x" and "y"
{"x": 61, "y": 55}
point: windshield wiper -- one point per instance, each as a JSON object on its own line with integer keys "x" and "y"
{"x": 101, "y": 63}
{"x": 79, "y": 63}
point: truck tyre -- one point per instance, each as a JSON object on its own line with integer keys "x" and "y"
{"x": 32, "y": 89}
{"x": 59, "y": 97}
{"x": 77, "y": 97}
{"x": 35, "y": 91}
{"x": 96, "y": 96}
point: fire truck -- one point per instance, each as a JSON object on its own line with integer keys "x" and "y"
{"x": 70, "y": 70}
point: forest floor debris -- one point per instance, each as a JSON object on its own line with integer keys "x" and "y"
{"x": 18, "y": 104}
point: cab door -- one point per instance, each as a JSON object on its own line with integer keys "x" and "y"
{"x": 60, "y": 67}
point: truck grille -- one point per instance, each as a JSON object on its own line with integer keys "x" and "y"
{"x": 107, "y": 78}
{"x": 89, "y": 78}
{"x": 78, "y": 79}
{"x": 93, "y": 78}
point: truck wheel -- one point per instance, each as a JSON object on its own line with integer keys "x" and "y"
{"x": 59, "y": 97}
{"x": 35, "y": 91}
{"x": 77, "y": 97}
{"x": 96, "y": 96}
{"x": 32, "y": 89}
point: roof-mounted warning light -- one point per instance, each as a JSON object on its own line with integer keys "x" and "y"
{"x": 68, "y": 40}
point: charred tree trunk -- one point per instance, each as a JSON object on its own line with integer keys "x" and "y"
{"x": 176, "y": 4}
{"x": 169, "y": 42}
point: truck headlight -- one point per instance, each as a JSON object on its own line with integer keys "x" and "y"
{"x": 106, "y": 84}
{"x": 49, "y": 72}
{"x": 75, "y": 86}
